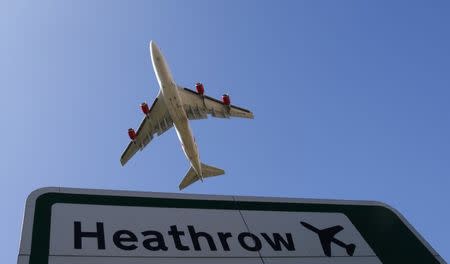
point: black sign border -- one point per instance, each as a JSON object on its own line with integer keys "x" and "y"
{"x": 385, "y": 232}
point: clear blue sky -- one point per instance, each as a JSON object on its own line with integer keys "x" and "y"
{"x": 351, "y": 100}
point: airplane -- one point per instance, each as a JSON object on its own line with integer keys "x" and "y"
{"x": 175, "y": 106}
{"x": 326, "y": 236}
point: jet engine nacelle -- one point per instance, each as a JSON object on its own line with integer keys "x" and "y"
{"x": 200, "y": 88}
{"x": 131, "y": 134}
{"x": 144, "y": 108}
{"x": 226, "y": 99}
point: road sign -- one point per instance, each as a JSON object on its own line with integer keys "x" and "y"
{"x": 98, "y": 226}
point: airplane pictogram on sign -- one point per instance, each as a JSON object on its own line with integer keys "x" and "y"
{"x": 326, "y": 237}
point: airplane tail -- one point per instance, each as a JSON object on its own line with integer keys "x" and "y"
{"x": 191, "y": 175}
{"x": 210, "y": 171}
{"x": 350, "y": 249}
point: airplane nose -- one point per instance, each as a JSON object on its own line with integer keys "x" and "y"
{"x": 159, "y": 64}
{"x": 154, "y": 48}
{"x": 152, "y": 44}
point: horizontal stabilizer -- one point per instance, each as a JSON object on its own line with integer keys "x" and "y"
{"x": 191, "y": 176}
{"x": 210, "y": 171}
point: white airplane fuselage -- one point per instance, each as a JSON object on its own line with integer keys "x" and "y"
{"x": 169, "y": 91}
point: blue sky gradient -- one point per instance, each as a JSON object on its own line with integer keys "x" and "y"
{"x": 351, "y": 100}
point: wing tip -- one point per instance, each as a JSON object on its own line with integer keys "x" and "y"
{"x": 123, "y": 161}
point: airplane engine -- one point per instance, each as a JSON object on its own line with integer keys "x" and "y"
{"x": 200, "y": 88}
{"x": 226, "y": 99}
{"x": 144, "y": 108}
{"x": 131, "y": 134}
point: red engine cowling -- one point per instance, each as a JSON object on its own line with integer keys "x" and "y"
{"x": 131, "y": 134}
{"x": 144, "y": 108}
{"x": 226, "y": 99}
{"x": 200, "y": 88}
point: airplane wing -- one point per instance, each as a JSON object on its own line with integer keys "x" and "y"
{"x": 157, "y": 121}
{"x": 326, "y": 235}
{"x": 326, "y": 246}
{"x": 199, "y": 106}
{"x": 332, "y": 231}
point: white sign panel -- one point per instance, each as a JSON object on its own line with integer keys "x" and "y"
{"x": 88, "y": 226}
